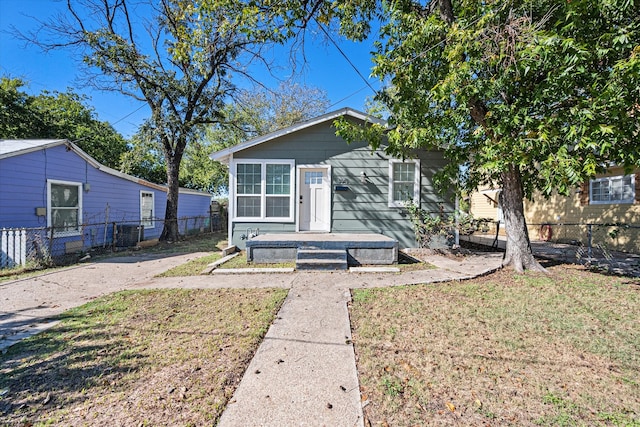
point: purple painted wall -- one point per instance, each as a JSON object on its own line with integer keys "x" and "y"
{"x": 110, "y": 198}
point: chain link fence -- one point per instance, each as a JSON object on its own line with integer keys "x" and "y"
{"x": 47, "y": 246}
{"x": 595, "y": 240}
{"x": 610, "y": 246}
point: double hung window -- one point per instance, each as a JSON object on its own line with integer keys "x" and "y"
{"x": 146, "y": 209}
{"x": 404, "y": 182}
{"x": 65, "y": 207}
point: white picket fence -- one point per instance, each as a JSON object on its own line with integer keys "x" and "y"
{"x": 13, "y": 247}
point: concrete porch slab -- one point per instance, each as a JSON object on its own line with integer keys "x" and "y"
{"x": 365, "y": 248}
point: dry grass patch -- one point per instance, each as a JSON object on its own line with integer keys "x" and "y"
{"x": 501, "y": 350}
{"x": 161, "y": 357}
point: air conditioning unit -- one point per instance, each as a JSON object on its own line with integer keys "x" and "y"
{"x": 129, "y": 235}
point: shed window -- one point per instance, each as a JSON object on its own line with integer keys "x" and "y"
{"x": 146, "y": 209}
{"x": 263, "y": 190}
{"x": 612, "y": 189}
{"x": 404, "y": 182}
{"x": 65, "y": 207}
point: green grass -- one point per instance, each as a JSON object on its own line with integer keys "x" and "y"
{"x": 415, "y": 266}
{"x": 240, "y": 261}
{"x": 199, "y": 243}
{"x": 504, "y": 349}
{"x": 170, "y": 357}
{"x": 191, "y": 268}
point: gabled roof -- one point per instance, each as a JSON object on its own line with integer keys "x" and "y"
{"x": 17, "y": 147}
{"x": 224, "y": 155}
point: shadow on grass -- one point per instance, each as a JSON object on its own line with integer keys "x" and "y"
{"x": 60, "y": 363}
{"x": 17, "y": 323}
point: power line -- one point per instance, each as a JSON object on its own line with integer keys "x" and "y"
{"x": 345, "y": 56}
{"x": 427, "y": 50}
{"x": 133, "y": 112}
{"x": 346, "y": 97}
{"x": 430, "y": 48}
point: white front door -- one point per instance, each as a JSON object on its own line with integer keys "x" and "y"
{"x": 314, "y": 199}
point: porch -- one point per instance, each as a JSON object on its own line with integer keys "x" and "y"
{"x": 323, "y": 250}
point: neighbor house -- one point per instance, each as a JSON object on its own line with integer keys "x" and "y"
{"x": 54, "y": 184}
{"x": 305, "y": 179}
{"x": 608, "y": 205}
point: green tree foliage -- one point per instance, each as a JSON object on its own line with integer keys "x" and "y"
{"x": 57, "y": 115}
{"x": 178, "y": 56}
{"x": 144, "y": 158}
{"x": 251, "y": 114}
{"x": 529, "y": 96}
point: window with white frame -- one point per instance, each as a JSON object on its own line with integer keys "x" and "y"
{"x": 65, "y": 207}
{"x": 146, "y": 209}
{"x": 612, "y": 189}
{"x": 404, "y": 182}
{"x": 263, "y": 190}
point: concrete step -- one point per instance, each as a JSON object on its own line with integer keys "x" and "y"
{"x": 321, "y": 259}
{"x": 312, "y": 253}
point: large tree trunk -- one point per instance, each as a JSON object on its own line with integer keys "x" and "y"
{"x": 173, "y": 151}
{"x": 170, "y": 230}
{"x": 518, "y": 253}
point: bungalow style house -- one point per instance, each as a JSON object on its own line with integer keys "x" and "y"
{"x": 606, "y": 201}
{"x": 53, "y": 184}
{"x": 304, "y": 180}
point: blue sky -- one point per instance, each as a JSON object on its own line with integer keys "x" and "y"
{"x": 326, "y": 68}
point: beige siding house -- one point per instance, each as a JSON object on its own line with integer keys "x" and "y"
{"x": 612, "y": 198}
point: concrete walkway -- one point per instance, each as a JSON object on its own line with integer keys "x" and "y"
{"x": 304, "y": 372}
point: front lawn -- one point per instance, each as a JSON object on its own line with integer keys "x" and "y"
{"x": 240, "y": 261}
{"x": 501, "y": 350}
{"x": 193, "y": 267}
{"x": 160, "y": 357}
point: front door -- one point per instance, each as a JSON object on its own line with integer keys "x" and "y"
{"x": 314, "y": 199}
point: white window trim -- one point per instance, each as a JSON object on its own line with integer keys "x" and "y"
{"x": 630, "y": 200}
{"x": 153, "y": 202}
{"x": 49, "y": 208}
{"x": 263, "y": 189}
{"x": 416, "y": 183}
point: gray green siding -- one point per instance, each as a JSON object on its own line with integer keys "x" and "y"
{"x": 364, "y": 207}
